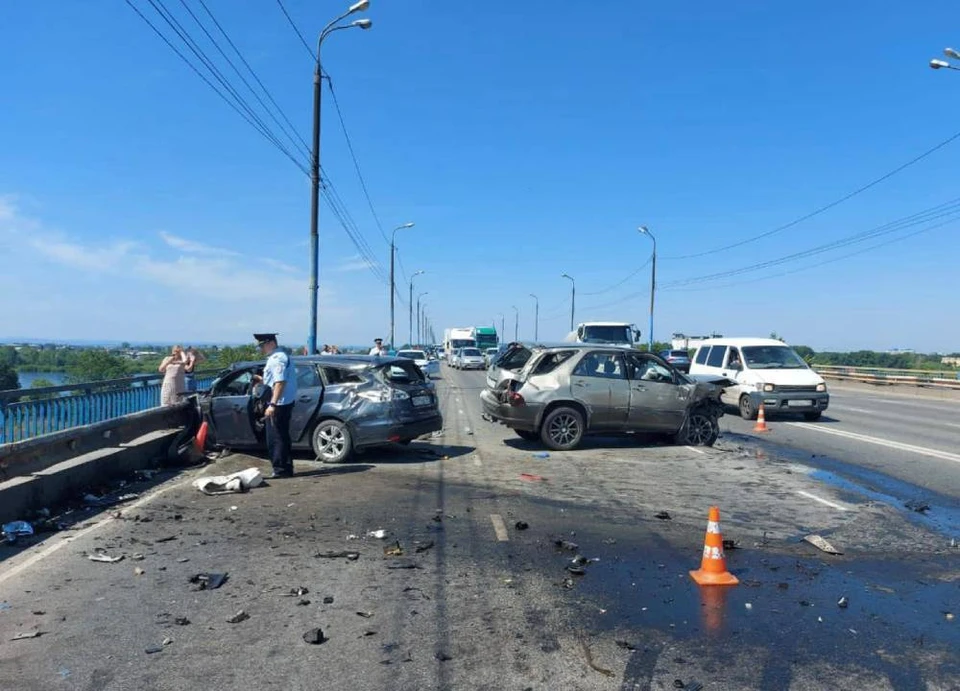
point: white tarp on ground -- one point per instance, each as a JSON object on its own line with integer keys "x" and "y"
{"x": 229, "y": 484}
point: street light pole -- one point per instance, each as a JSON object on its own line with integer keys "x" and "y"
{"x": 393, "y": 286}
{"x": 410, "y": 304}
{"x": 419, "y": 320}
{"x": 536, "y": 317}
{"x": 573, "y": 297}
{"x": 313, "y": 287}
{"x": 503, "y": 328}
{"x": 653, "y": 279}
{"x": 516, "y": 324}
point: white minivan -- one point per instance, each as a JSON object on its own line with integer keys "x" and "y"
{"x": 765, "y": 370}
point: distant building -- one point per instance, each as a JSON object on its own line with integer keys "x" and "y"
{"x": 950, "y": 361}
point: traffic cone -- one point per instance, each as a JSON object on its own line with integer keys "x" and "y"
{"x": 761, "y": 425}
{"x": 200, "y": 441}
{"x": 713, "y": 566}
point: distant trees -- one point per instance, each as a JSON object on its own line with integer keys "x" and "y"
{"x": 97, "y": 365}
{"x": 8, "y": 378}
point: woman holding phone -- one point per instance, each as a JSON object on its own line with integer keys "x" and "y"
{"x": 174, "y": 370}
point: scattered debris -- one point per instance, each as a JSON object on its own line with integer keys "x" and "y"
{"x": 663, "y": 516}
{"x": 468, "y": 431}
{"x": 541, "y": 454}
{"x": 521, "y": 525}
{"x": 183, "y": 560}
{"x": 394, "y": 550}
{"x": 368, "y": 633}
{"x": 154, "y": 649}
{"x": 626, "y": 645}
{"x": 730, "y": 544}
{"x": 567, "y": 545}
{"x": 917, "y": 505}
{"x": 748, "y": 605}
{"x": 168, "y": 538}
{"x": 379, "y": 534}
{"x": 805, "y": 603}
{"x": 328, "y": 600}
{"x": 441, "y": 656}
{"x": 420, "y": 549}
{"x": 353, "y": 537}
{"x": 16, "y": 529}
{"x": 137, "y": 557}
{"x": 365, "y": 615}
{"x": 230, "y": 484}
{"x": 138, "y": 571}
{"x": 576, "y": 570}
{"x": 400, "y": 564}
{"x": 531, "y": 478}
{"x": 609, "y": 541}
{"x": 209, "y": 581}
{"x": 28, "y": 634}
{"x": 949, "y": 616}
{"x": 843, "y": 603}
{"x": 302, "y": 602}
{"x": 821, "y": 544}
{"x": 238, "y": 617}
{"x": 567, "y": 583}
{"x": 314, "y": 637}
{"x": 590, "y": 663}
{"x": 103, "y": 557}
{"x": 350, "y": 556}
{"x": 181, "y": 621}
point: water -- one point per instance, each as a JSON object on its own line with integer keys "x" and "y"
{"x": 27, "y": 378}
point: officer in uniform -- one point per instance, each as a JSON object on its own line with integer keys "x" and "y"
{"x": 281, "y": 376}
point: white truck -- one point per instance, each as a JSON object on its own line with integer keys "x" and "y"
{"x": 621, "y": 334}
{"x": 457, "y": 337}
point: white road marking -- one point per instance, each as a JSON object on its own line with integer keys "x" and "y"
{"x": 922, "y": 450}
{"x": 822, "y": 501}
{"x": 499, "y": 527}
{"x": 696, "y": 450}
{"x": 858, "y": 410}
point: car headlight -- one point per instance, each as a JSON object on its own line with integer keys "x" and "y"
{"x": 769, "y": 387}
{"x": 821, "y": 388}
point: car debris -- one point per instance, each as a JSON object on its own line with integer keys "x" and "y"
{"x": 521, "y": 525}
{"x": 138, "y": 571}
{"x": 663, "y": 516}
{"x": 843, "y": 603}
{"x": 541, "y": 454}
{"x": 328, "y": 600}
{"x": 401, "y": 564}
{"x": 153, "y": 650}
{"x": 16, "y": 529}
{"x": 576, "y": 570}
{"x": 532, "y": 478}
{"x": 344, "y": 554}
{"x": 103, "y": 557}
{"x": 234, "y": 483}
{"x": 821, "y": 544}
{"x": 394, "y": 550}
{"x": 566, "y": 545}
{"x": 378, "y": 534}
{"x": 26, "y": 635}
{"x": 209, "y": 581}
{"x": 181, "y": 621}
{"x": 314, "y": 637}
{"x": 365, "y": 615}
{"x": 421, "y": 548}
{"x": 917, "y": 505}
{"x": 238, "y": 617}
{"x": 299, "y": 591}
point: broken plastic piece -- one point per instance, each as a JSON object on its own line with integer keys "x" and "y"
{"x": 104, "y": 558}
{"x": 521, "y": 525}
{"x": 531, "y": 478}
{"x": 917, "y": 505}
{"x": 28, "y": 634}
{"x": 138, "y": 571}
{"x": 328, "y": 600}
{"x": 821, "y": 544}
{"x": 394, "y": 550}
{"x": 209, "y": 581}
{"x": 730, "y": 544}
{"x": 154, "y": 649}
{"x": 842, "y": 603}
{"x": 576, "y": 570}
{"x": 314, "y": 637}
{"x": 379, "y": 534}
{"x": 11, "y": 531}
{"x": 663, "y": 516}
{"x": 230, "y": 484}
{"x": 541, "y": 454}
{"x": 365, "y": 615}
{"x": 350, "y": 556}
{"x": 181, "y": 621}
{"x": 238, "y": 617}
{"x": 420, "y": 549}
{"x": 567, "y": 545}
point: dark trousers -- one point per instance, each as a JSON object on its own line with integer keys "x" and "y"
{"x": 278, "y": 439}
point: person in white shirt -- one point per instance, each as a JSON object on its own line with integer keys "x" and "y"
{"x": 378, "y": 348}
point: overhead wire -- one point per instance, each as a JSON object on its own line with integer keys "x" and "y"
{"x": 296, "y": 30}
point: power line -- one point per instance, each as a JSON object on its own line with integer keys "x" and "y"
{"x": 826, "y": 207}
{"x": 621, "y": 282}
{"x": 296, "y": 30}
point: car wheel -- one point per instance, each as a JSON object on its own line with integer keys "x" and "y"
{"x": 332, "y": 442}
{"x": 562, "y": 429}
{"x": 812, "y": 416}
{"x": 527, "y": 435}
{"x": 747, "y": 410}
{"x": 700, "y": 429}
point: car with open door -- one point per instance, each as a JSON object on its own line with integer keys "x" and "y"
{"x": 345, "y": 404}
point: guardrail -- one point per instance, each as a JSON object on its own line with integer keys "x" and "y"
{"x": 27, "y": 413}
{"x": 939, "y": 379}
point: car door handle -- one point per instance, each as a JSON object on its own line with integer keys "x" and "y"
{"x": 305, "y": 399}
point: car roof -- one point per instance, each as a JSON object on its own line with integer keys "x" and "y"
{"x": 743, "y": 341}
{"x": 342, "y": 361}
{"x": 583, "y": 346}
{"x": 604, "y": 324}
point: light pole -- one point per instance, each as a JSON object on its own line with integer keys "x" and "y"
{"x": 315, "y": 165}
{"x": 503, "y": 327}
{"x": 573, "y": 297}
{"x": 536, "y": 317}
{"x": 419, "y": 320}
{"x": 653, "y": 278}
{"x": 393, "y": 287}
{"x": 516, "y": 324}
{"x": 943, "y": 64}
{"x": 415, "y": 274}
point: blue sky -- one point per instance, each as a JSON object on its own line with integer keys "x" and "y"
{"x": 524, "y": 139}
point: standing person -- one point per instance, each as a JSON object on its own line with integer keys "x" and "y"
{"x": 281, "y": 376}
{"x": 174, "y": 370}
{"x": 378, "y": 348}
{"x": 193, "y": 358}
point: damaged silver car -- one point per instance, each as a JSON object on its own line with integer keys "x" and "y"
{"x": 345, "y": 404}
{"x": 563, "y": 393}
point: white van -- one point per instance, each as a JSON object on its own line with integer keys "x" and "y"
{"x": 766, "y": 370}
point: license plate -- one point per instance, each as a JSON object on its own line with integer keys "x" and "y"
{"x": 799, "y": 404}
{"x": 422, "y": 400}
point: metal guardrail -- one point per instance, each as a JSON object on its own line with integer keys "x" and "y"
{"x": 937, "y": 379}
{"x": 27, "y": 413}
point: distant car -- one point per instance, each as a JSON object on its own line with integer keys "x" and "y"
{"x": 430, "y": 367}
{"x": 471, "y": 358}
{"x": 345, "y": 403}
{"x": 489, "y": 355}
{"x": 680, "y": 359}
{"x": 564, "y": 393}
{"x": 455, "y": 358}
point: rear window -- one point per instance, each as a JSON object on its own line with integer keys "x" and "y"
{"x": 402, "y": 373}
{"x": 514, "y": 358}
{"x": 471, "y": 351}
{"x": 551, "y": 361}
{"x": 716, "y": 356}
{"x": 679, "y": 353}
{"x": 702, "y": 355}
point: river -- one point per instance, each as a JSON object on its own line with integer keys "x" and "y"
{"x": 27, "y": 378}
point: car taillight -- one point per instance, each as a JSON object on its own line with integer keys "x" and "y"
{"x": 515, "y": 399}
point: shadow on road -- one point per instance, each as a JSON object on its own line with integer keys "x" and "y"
{"x": 626, "y": 441}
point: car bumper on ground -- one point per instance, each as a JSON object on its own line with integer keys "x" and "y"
{"x": 523, "y": 417}
{"x": 790, "y": 401}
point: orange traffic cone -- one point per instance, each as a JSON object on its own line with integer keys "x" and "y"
{"x": 200, "y": 441}
{"x": 713, "y": 566}
{"x": 761, "y": 425}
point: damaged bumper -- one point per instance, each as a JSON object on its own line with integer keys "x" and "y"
{"x": 523, "y": 417}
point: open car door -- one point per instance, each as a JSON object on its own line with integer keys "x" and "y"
{"x": 231, "y": 413}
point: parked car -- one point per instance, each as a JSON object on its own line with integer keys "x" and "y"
{"x": 430, "y": 367}
{"x": 766, "y": 371}
{"x": 470, "y": 358}
{"x": 489, "y": 355}
{"x": 345, "y": 403}
{"x": 680, "y": 359}
{"x": 566, "y": 392}
{"x": 513, "y": 356}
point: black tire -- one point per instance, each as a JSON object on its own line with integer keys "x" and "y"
{"x": 747, "y": 410}
{"x": 562, "y": 429}
{"x": 700, "y": 429}
{"x": 812, "y": 416}
{"x": 527, "y": 435}
{"x": 332, "y": 442}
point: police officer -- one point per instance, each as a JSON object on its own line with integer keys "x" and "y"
{"x": 280, "y": 375}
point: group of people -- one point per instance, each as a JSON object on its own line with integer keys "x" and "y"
{"x": 178, "y": 373}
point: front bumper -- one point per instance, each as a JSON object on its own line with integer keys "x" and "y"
{"x": 524, "y": 417}
{"x": 790, "y": 401}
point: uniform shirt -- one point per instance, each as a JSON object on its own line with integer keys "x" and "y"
{"x": 280, "y": 367}
{"x": 378, "y": 351}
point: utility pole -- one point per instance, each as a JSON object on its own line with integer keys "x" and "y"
{"x": 653, "y": 278}
{"x": 573, "y": 297}
{"x": 536, "y": 318}
{"x": 516, "y": 324}
{"x": 393, "y": 285}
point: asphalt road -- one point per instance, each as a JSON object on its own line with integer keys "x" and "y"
{"x": 480, "y": 603}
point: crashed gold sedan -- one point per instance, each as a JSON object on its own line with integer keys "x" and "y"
{"x": 563, "y": 393}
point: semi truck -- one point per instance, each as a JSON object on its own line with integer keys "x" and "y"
{"x": 485, "y": 337}
{"x": 458, "y": 337}
{"x": 621, "y": 334}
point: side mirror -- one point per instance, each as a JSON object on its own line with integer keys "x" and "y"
{"x": 636, "y": 335}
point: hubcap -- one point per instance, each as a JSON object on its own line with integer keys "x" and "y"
{"x": 564, "y": 429}
{"x": 332, "y": 442}
{"x": 700, "y": 430}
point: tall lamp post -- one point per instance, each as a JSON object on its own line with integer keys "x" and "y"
{"x": 393, "y": 285}
{"x": 415, "y": 274}
{"x": 516, "y": 324}
{"x": 573, "y": 297}
{"x": 419, "y": 320}
{"x": 653, "y": 278}
{"x": 503, "y": 327}
{"x": 315, "y": 164}
{"x": 536, "y": 317}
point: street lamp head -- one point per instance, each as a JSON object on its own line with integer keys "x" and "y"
{"x": 417, "y": 273}
{"x": 534, "y": 296}
{"x": 951, "y": 53}
{"x": 566, "y": 276}
{"x": 406, "y": 225}
{"x": 360, "y": 6}
{"x": 644, "y": 230}
{"x": 937, "y": 64}
{"x": 363, "y": 23}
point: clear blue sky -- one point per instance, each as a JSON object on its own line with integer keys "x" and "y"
{"x": 525, "y": 139}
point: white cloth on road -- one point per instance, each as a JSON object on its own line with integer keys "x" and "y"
{"x": 229, "y": 484}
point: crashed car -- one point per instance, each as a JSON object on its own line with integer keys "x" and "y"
{"x": 345, "y": 404}
{"x": 563, "y": 393}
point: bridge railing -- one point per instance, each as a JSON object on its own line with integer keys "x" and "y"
{"x": 27, "y": 413}
{"x": 938, "y": 379}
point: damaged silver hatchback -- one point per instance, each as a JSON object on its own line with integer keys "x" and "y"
{"x": 566, "y": 392}
{"x": 345, "y": 403}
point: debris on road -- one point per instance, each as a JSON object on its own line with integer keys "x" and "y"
{"x": 821, "y": 544}
{"x": 521, "y": 525}
{"x": 541, "y": 454}
{"x": 843, "y": 603}
{"x": 378, "y": 534}
{"x": 442, "y": 656}
{"x": 917, "y": 505}
{"x": 730, "y": 544}
{"x": 298, "y": 592}
{"x": 137, "y": 557}
{"x": 28, "y": 634}
{"x": 532, "y": 478}
{"x": 949, "y": 616}
{"x": 344, "y": 554}
{"x": 394, "y": 550}
{"x": 138, "y": 571}
{"x": 421, "y": 548}
{"x": 234, "y": 483}
{"x": 154, "y": 649}
{"x": 663, "y": 516}
{"x": 103, "y": 557}
{"x": 314, "y": 637}
{"x": 567, "y": 545}
{"x": 16, "y": 529}
{"x": 167, "y": 538}
{"x": 365, "y": 615}
{"x": 567, "y": 583}
{"x": 181, "y": 621}
{"x": 328, "y": 600}
{"x": 209, "y": 581}
{"x": 401, "y": 564}
{"x": 238, "y": 617}
{"x": 589, "y": 658}
{"x": 576, "y": 570}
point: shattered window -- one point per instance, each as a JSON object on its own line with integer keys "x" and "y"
{"x": 551, "y": 361}
{"x": 335, "y": 375}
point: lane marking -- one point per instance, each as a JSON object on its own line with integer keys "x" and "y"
{"x": 499, "y": 527}
{"x": 822, "y": 500}
{"x": 899, "y": 446}
{"x": 859, "y": 410}
{"x": 696, "y": 450}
